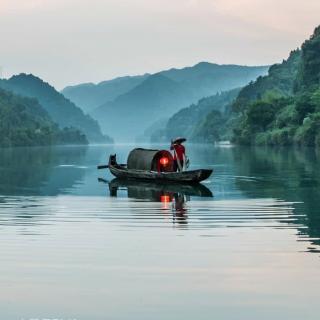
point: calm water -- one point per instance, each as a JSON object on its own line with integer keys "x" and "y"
{"x": 243, "y": 246}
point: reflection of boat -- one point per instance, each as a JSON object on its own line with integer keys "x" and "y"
{"x": 157, "y": 191}
{"x": 168, "y": 193}
{"x": 149, "y": 171}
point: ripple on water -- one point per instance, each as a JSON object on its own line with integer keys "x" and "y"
{"x": 131, "y": 213}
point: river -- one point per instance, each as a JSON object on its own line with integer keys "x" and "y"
{"x": 244, "y": 245}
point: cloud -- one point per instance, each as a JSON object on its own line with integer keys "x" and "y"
{"x": 70, "y": 41}
{"x": 284, "y": 15}
{"x": 7, "y": 6}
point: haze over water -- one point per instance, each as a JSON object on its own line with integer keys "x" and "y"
{"x": 243, "y": 246}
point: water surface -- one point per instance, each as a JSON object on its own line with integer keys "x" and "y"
{"x": 243, "y": 246}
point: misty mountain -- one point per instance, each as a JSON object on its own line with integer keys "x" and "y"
{"x": 205, "y": 79}
{"x": 131, "y": 113}
{"x": 61, "y": 110}
{"x": 163, "y": 94}
{"x": 217, "y": 125}
{"x": 88, "y": 96}
{"x": 187, "y": 121}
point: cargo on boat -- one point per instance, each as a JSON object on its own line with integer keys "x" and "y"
{"x": 150, "y": 160}
{"x": 154, "y": 165}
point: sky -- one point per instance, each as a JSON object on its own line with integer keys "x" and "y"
{"x": 67, "y": 42}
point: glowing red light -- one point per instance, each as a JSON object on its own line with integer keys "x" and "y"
{"x": 164, "y": 161}
{"x": 165, "y": 199}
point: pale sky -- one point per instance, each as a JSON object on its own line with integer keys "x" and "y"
{"x": 73, "y": 41}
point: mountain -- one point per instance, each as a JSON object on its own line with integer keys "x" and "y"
{"x": 280, "y": 80}
{"x": 201, "y": 80}
{"x": 186, "y": 122}
{"x": 283, "y": 108}
{"x": 162, "y": 94}
{"x": 205, "y": 79}
{"x": 308, "y": 77}
{"x": 89, "y": 96}
{"x": 131, "y": 113}
{"x": 61, "y": 110}
{"x": 23, "y": 122}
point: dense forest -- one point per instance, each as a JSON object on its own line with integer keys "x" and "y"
{"x": 24, "y": 122}
{"x": 61, "y": 110}
{"x": 283, "y": 108}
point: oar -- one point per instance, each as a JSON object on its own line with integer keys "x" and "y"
{"x": 103, "y": 180}
{"x": 103, "y": 166}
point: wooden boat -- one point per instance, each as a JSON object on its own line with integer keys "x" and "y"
{"x": 125, "y": 172}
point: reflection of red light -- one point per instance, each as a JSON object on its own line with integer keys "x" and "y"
{"x": 164, "y": 161}
{"x": 165, "y": 199}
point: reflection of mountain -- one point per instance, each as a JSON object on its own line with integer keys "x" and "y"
{"x": 289, "y": 174}
{"x": 40, "y": 171}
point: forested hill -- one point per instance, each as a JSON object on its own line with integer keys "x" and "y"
{"x": 283, "y": 108}
{"x": 23, "y": 122}
{"x": 163, "y": 94}
{"x": 61, "y": 110}
{"x": 280, "y": 80}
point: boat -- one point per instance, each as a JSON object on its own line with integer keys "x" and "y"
{"x": 154, "y": 165}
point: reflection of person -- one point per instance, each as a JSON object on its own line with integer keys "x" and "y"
{"x": 179, "y": 213}
{"x": 179, "y": 153}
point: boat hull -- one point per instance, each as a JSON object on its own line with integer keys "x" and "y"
{"x": 145, "y": 188}
{"x": 193, "y": 176}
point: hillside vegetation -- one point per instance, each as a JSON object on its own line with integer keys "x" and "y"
{"x": 283, "y": 108}
{"x": 61, "y": 110}
{"x": 25, "y": 123}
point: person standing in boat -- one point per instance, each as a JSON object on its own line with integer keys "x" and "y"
{"x": 179, "y": 154}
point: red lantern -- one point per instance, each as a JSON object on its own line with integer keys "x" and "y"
{"x": 165, "y": 198}
{"x": 164, "y": 161}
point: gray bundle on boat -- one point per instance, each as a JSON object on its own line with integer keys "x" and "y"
{"x": 150, "y": 160}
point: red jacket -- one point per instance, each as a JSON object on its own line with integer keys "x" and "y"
{"x": 179, "y": 151}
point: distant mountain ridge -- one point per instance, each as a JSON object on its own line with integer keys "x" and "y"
{"x": 206, "y": 79}
{"x": 89, "y": 96}
{"x": 145, "y": 102}
{"x": 62, "y": 111}
{"x": 162, "y": 94}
